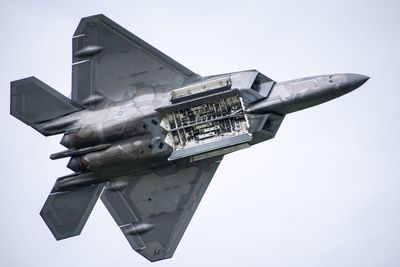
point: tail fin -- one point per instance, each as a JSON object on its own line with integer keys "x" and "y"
{"x": 66, "y": 213}
{"x": 33, "y": 101}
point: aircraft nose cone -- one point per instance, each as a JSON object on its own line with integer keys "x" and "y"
{"x": 356, "y": 80}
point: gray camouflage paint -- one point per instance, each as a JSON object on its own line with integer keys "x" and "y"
{"x": 112, "y": 130}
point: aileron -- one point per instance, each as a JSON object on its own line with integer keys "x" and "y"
{"x": 153, "y": 210}
{"x": 117, "y": 65}
{"x": 147, "y": 135}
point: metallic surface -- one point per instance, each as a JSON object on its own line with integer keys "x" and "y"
{"x": 66, "y": 213}
{"x": 146, "y": 134}
{"x": 295, "y": 95}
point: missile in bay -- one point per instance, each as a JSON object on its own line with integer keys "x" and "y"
{"x": 146, "y": 134}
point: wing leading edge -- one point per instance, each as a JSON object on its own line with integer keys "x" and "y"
{"x": 154, "y": 210}
{"x": 112, "y": 64}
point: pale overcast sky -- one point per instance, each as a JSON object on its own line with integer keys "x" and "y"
{"x": 324, "y": 192}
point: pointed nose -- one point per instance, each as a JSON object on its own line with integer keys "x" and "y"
{"x": 356, "y": 80}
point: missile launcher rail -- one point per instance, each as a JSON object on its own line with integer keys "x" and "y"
{"x": 205, "y": 117}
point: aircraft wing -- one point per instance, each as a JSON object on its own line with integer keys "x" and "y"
{"x": 154, "y": 210}
{"x": 112, "y": 64}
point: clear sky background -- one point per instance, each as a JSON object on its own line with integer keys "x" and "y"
{"x": 324, "y": 192}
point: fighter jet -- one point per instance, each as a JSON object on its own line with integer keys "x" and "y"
{"x": 146, "y": 134}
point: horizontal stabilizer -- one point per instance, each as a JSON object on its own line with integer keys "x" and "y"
{"x": 33, "y": 101}
{"x": 66, "y": 213}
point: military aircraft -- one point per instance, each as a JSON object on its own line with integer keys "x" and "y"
{"x": 146, "y": 135}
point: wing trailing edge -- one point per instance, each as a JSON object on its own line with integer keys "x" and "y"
{"x": 111, "y": 64}
{"x": 154, "y": 210}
